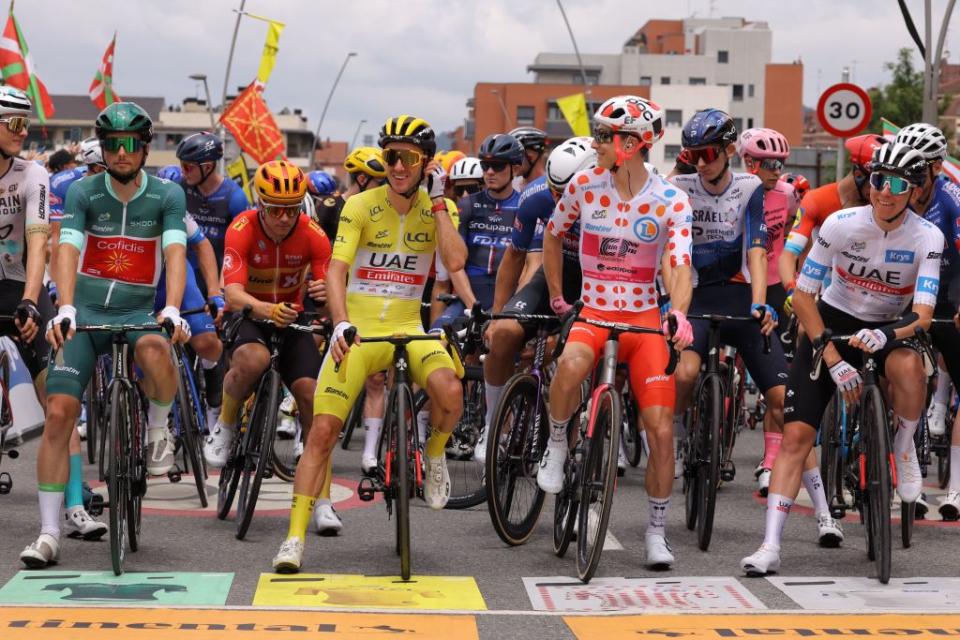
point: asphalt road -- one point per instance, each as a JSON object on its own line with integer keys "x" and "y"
{"x": 463, "y": 543}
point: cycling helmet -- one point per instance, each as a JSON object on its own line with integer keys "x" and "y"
{"x": 800, "y": 183}
{"x": 501, "y": 147}
{"x": 763, "y": 143}
{"x": 366, "y": 160}
{"x": 571, "y": 156}
{"x": 90, "y": 152}
{"x": 630, "y": 114}
{"x": 409, "y": 129}
{"x": 200, "y": 148}
{"x": 14, "y": 102}
{"x": 531, "y": 138}
{"x": 709, "y": 126}
{"x": 466, "y": 169}
{"x": 321, "y": 183}
{"x": 279, "y": 182}
{"x": 124, "y": 117}
{"x": 171, "y": 172}
{"x": 925, "y": 138}
{"x": 901, "y": 160}
{"x": 450, "y": 158}
{"x": 862, "y": 148}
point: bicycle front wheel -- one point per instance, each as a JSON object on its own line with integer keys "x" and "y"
{"x": 831, "y": 461}
{"x": 117, "y": 476}
{"x": 567, "y": 503}
{"x": 708, "y": 458}
{"x": 633, "y": 444}
{"x": 259, "y": 453}
{"x": 873, "y": 427}
{"x": 598, "y": 477}
{"x": 402, "y": 472}
{"x": 136, "y": 466}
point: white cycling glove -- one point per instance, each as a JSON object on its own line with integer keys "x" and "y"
{"x": 339, "y": 330}
{"x": 436, "y": 182}
{"x": 846, "y": 377}
{"x": 173, "y": 315}
{"x": 65, "y": 312}
{"x": 872, "y": 339}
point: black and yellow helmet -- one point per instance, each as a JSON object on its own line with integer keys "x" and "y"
{"x": 366, "y": 160}
{"x": 409, "y": 129}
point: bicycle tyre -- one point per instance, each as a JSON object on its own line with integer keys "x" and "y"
{"x": 908, "y": 512}
{"x": 354, "y": 420}
{"x": 943, "y": 469}
{"x": 92, "y": 411}
{"x": 137, "y": 468}
{"x": 567, "y": 502}
{"x": 116, "y": 478}
{"x": 509, "y": 468}
{"x": 405, "y": 406}
{"x": 831, "y": 464}
{"x": 468, "y": 486}
{"x": 263, "y": 428}
{"x": 708, "y": 460}
{"x": 598, "y": 479}
{"x": 874, "y": 427}
{"x": 691, "y": 497}
{"x": 230, "y": 475}
{"x": 190, "y": 432}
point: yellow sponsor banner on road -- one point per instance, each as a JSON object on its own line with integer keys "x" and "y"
{"x": 368, "y": 592}
{"x": 785, "y": 626}
{"x": 28, "y": 623}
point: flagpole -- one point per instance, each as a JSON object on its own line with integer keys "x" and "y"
{"x": 226, "y": 76}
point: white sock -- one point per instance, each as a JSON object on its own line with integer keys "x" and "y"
{"x": 492, "y": 393}
{"x": 778, "y": 508}
{"x": 813, "y": 483}
{"x": 371, "y": 434}
{"x": 51, "y": 503}
{"x": 942, "y": 394}
{"x": 903, "y": 440}
{"x": 322, "y": 501}
{"x": 423, "y": 427}
{"x": 157, "y": 414}
{"x": 558, "y": 430}
{"x": 955, "y": 467}
{"x": 658, "y": 515}
{"x": 207, "y": 364}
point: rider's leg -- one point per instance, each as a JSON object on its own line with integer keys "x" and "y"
{"x": 373, "y": 406}
{"x": 903, "y": 368}
{"x": 446, "y": 405}
{"x": 504, "y": 340}
{"x": 53, "y": 459}
{"x": 247, "y": 364}
{"x": 152, "y": 354}
{"x": 798, "y": 441}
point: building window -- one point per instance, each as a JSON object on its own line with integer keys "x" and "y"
{"x": 664, "y": 79}
{"x": 749, "y": 123}
{"x": 738, "y": 123}
{"x": 698, "y": 81}
{"x": 738, "y": 93}
{"x": 671, "y": 151}
{"x": 525, "y": 116}
{"x": 723, "y": 57}
{"x": 750, "y": 90}
{"x": 674, "y": 118}
{"x": 72, "y": 134}
{"x": 646, "y": 81}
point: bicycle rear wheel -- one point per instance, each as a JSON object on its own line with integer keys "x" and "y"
{"x": 516, "y": 441}
{"x": 230, "y": 473}
{"x": 874, "y": 429}
{"x": 691, "y": 497}
{"x": 259, "y": 456}
{"x": 467, "y": 484}
{"x": 598, "y": 478}
{"x": 188, "y": 406}
{"x": 567, "y": 503}
{"x": 117, "y": 476}
{"x": 708, "y": 458}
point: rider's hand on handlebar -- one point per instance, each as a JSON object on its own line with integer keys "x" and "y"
{"x": 29, "y": 328}
{"x": 181, "y": 329}
{"x": 338, "y": 342}
{"x": 54, "y": 335}
{"x": 317, "y": 290}
{"x": 848, "y": 380}
{"x": 765, "y": 311}
{"x": 283, "y": 313}
{"x": 560, "y": 306}
{"x": 218, "y": 302}
{"x": 683, "y": 338}
{"x": 869, "y": 340}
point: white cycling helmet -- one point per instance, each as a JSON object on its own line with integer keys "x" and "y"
{"x": 466, "y": 169}
{"x": 571, "y": 156}
{"x": 632, "y": 114}
{"x": 14, "y": 102}
{"x": 90, "y": 152}
{"x": 900, "y": 160}
{"x": 925, "y": 138}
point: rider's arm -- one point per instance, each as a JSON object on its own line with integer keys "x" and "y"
{"x": 440, "y": 287}
{"x": 461, "y": 284}
{"x": 680, "y": 274}
{"x": 453, "y": 252}
{"x": 810, "y": 280}
{"x": 72, "y": 237}
{"x": 37, "y": 229}
{"x": 236, "y": 271}
{"x": 508, "y": 275}
{"x": 238, "y": 203}
{"x": 798, "y": 239}
{"x": 207, "y": 260}
{"x": 756, "y": 243}
{"x": 553, "y": 264}
{"x": 337, "y": 290}
{"x": 927, "y": 285}
{"x": 174, "y": 244}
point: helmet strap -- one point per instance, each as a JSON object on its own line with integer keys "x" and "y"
{"x": 622, "y": 155}
{"x": 526, "y": 174}
{"x": 204, "y": 175}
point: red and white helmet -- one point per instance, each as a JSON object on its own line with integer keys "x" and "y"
{"x": 632, "y": 114}
{"x": 763, "y": 143}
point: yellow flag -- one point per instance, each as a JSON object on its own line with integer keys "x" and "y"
{"x": 574, "y": 109}
{"x": 270, "y": 48}
{"x": 237, "y": 171}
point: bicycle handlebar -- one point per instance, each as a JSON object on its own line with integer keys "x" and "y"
{"x": 715, "y": 318}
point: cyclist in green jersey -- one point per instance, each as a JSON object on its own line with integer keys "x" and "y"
{"x": 119, "y": 228}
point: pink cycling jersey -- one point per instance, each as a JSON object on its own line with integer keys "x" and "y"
{"x": 622, "y": 241}
{"x": 779, "y": 207}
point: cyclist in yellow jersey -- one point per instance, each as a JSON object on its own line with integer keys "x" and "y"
{"x": 386, "y": 243}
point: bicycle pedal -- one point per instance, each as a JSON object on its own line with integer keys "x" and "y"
{"x": 838, "y": 513}
{"x": 6, "y": 483}
{"x": 728, "y": 472}
{"x": 95, "y": 506}
{"x": 366, "y": 489}
{"x": 174, "y": 476}
{"x": 13, "y": 454}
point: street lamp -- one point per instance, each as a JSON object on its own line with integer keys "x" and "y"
{"x": 326, "y": 105}
{"x": 202, "y": 77}
{"x": 503, "y": 107}
{"x": 356, "y": 134}
{"x": 576, "y": 49}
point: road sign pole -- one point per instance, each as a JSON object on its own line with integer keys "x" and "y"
{"x": 840, "y": 154}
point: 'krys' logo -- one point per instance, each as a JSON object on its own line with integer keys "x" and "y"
{"x": 646, "y": 229}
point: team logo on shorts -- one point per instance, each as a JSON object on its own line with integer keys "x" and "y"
{"x": 646, "y": 229}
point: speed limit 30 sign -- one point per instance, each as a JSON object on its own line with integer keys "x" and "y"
{"x": 844, "y": 110}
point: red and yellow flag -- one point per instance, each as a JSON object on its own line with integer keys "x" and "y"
{"x": 18, "y": 69}
{"x": 101, "y": 89}
{"x": 249, "y": 120}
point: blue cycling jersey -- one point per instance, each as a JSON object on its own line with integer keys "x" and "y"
{"x": 485, "y": 225}
{"x": 725, "y": 226}
{"x": 536, "y": 206}
{"x": 192, "y": 295}
{"x": 215, "y": 212}
{"x": 944, "y": 212}
{"x": 59, "y": 183}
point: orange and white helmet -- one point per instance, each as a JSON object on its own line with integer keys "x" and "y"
{"x": 634, "y": 115}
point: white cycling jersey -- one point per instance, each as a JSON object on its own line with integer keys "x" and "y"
{"x": 24, "y": 208}
{"x": 875, "y": 273}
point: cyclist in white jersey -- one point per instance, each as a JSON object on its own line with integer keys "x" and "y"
{"x": 882, "y": 256}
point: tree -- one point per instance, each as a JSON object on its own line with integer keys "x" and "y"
{"x": 901, "y": 101}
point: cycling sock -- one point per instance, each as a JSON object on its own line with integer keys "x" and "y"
{"x": 778, "y": 508}
{"x": 558, "y": 429}
{"x": 942, "y": 394}
{"x": 157, "y": 414}
{"x": 657, "y": 523}
{"x": 437, "y": 444}
{"x": 492, "y": 394}
{"x": 208, "y": 364}
{"x": 321, "y": 502}
{"x": 300, "y": 510}
{"x": 229, "y": 411}
{"x": 73, "y": 496}
{"x": 771, "y": 447}
{"x": 903, "y": 440}
{"x": 423, "y": 426}
{"x": 813, "y": 483}
{"x": 955, "y": 464}
{"x": 51, "y": 501}
{"x": 371, "y": 434}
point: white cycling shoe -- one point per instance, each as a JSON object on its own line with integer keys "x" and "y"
{"x": 937, "y": 419}
{"x": 550, "y": 474}
{"x": 762, "y": 475}
{"x": 950, "y": 506}
{"x": 368, "y": 464}
{"x": 765, "y": 560}
{"x": 830, "y": 533}
{"x": 436, "y": 482}
{"x": 480, "y": 450}
{"x": 80, "y": 524}
{"x": 909, "y": 478}
{"x": 326, "y": 520}
{"x": 160, "y": 451}
{"x": 41, "y": 553}
{"x": 290, "y": 557}
{"x": 216, "y": 448}
{"x": 659, "y": 554}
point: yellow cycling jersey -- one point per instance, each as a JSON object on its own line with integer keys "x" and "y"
{"x": 390, "y": 256}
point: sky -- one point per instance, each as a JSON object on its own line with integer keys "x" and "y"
{"x": 422, "y": 56}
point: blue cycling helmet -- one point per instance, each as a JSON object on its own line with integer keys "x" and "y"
{"x": 170, "y": 172}
{"x": 709, "y": 126}
{"x": 321, "y": 183}
{"x": 200, "y": 148}
{"x": 501, "y": 147}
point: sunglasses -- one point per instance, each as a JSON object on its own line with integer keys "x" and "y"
{"x": 462, "y": 189}
{"x": 16, "y": 124}
{"x": 897, "y": 185}
{"x": 278, "y": 212}
{"x": 496, "y": 167}
{"x": 407, "y": 158}
{"x": 604, "y": 136}
{"x": 130, "y": 144}
{"x": 707, "y": 154}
